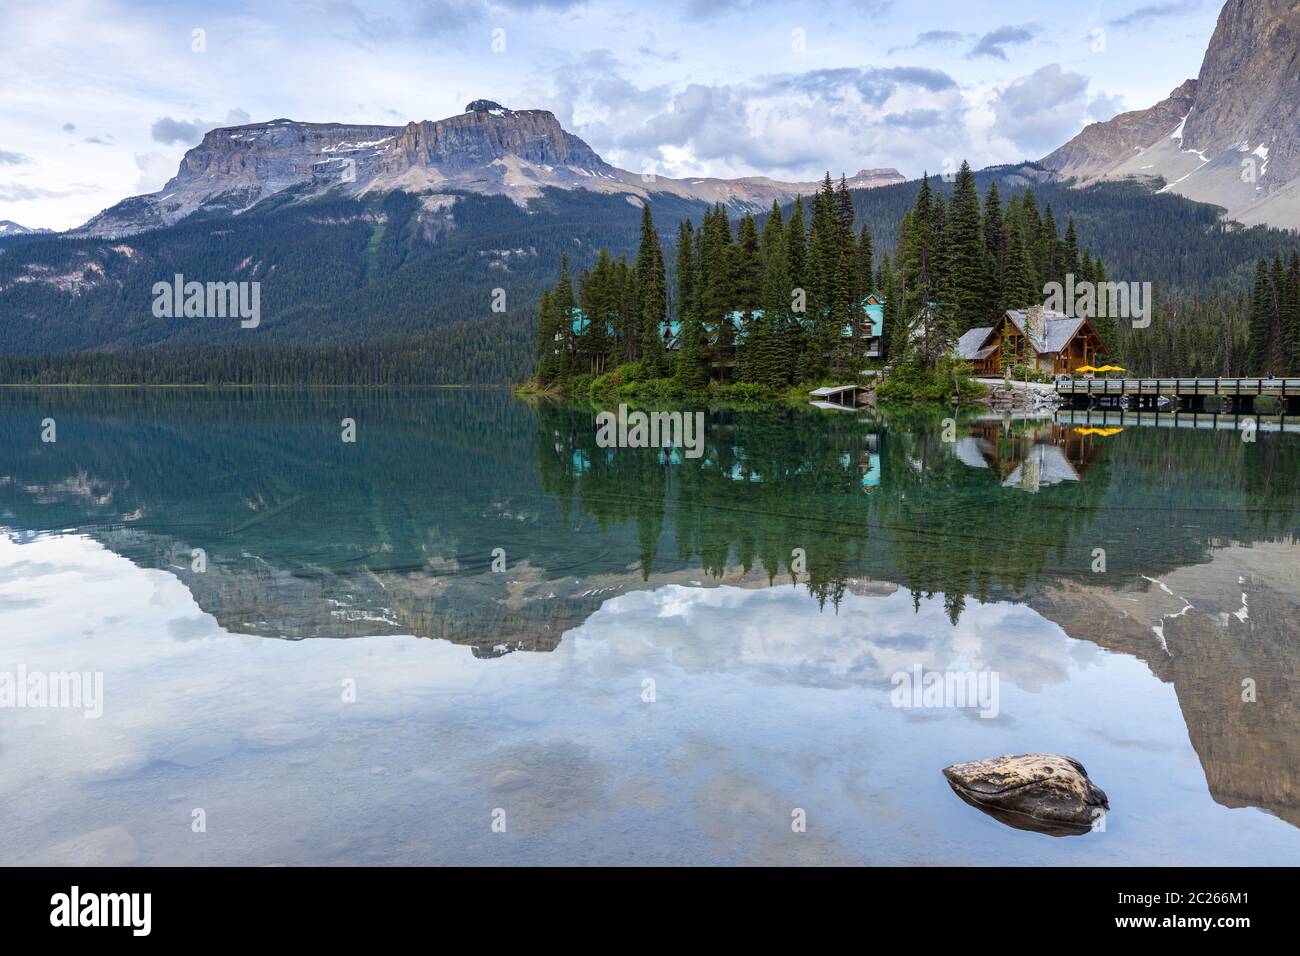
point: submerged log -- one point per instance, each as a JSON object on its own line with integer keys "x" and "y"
{"x": 1045, "y": 793}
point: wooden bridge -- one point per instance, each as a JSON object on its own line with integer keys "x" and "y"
{"x": 1188, "y": 394}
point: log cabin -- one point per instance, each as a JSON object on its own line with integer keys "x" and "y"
{"x": 1044, "y": 340}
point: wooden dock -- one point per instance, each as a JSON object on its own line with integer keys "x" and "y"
{"x": 848, "y": 396}
{"x": 1239, "y": 394}
{"x": 1122, "y": 418}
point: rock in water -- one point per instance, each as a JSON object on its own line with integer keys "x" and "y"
{"x": 1041, "y": 792}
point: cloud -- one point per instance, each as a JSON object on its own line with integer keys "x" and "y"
{"x": 875, "y": 85}
{"x": 1104, "y": 107}
{"x": 530, "y": 6}
{"x": 932, "y": 38}
{"x": 650, "y": 51}
{"x": 991, "y": 44}
{"x": 913, "y": 119}
{"x": 155, "y": 170}
{"x": 710, "y": 9}
{"x": 1157, "y": 11}
{"x": 430, "y": 18}
{"x": 8, "y": 158}
{"x": 171, "y": 132}
{"x": 69, "y": 128}
{"x": 796, "y": 125}
{"x": 1040, "y": 111}
{"x": 18, "y": 192}
{"x": 440, "y": 17}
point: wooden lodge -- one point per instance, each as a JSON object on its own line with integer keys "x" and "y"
{"x": 1039, "y": 338}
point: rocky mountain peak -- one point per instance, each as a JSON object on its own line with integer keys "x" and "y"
{"x": 1249, "y": 90}
{"x": 487, "y": 106}
{"x": 1101, "y": 145}
{"x": 1231, "y": 137}
{"x": 10, "y": 228}
{"x": 488, "y": 149}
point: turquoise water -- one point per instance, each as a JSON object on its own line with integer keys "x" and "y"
{"x": 681, "y": 657}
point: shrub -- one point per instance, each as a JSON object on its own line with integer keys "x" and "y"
{"x": 737, "y": 392}
{"x": 1023, "y": 373}
{"x": 611, "y": 381}
{"x": 913, "y": 381}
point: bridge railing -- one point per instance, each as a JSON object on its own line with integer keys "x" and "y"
{"x": 1179, "y": 386}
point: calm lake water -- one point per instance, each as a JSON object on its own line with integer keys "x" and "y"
{"x": 682, "y": 658}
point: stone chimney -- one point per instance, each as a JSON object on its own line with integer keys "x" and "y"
{"x": 1036, "y": 326}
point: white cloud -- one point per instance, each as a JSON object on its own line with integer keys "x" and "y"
{"x": 155, "y": 170}
{"x": 875, "y": 84}
{"x": 1041, "y": 111}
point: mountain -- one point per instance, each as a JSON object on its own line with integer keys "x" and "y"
{"x": 487, "y": 150}
{"x": 1101, "y": 145}
{"x": 1231, "y": 137}
{"x": 10, "y": 228}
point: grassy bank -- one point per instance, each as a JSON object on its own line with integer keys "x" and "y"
{"x": 904, "y": 383}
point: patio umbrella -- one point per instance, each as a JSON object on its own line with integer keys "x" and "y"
{"x": 1087, "y": 368}
{"x": 1111, "y": 368}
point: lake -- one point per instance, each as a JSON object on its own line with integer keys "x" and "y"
{"x": 474, "y": 635}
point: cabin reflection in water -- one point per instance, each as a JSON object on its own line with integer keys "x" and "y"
{"x": 1028, "y": 455}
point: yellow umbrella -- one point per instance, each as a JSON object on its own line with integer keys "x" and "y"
{"x": 1111, "y": 368}
{"x": 1099, "y": 432}
{"x": 1087, "y": 368}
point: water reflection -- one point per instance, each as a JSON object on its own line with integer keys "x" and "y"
{"x": 976, "y": 552}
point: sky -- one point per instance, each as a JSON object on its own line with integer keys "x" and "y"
{"x": 100, "y": 99}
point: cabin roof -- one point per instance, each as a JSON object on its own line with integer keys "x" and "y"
{"x": 1058, "y": 329}
{"x": 968, "y": 346}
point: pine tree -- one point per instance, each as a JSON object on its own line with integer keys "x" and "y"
{"x": 996, "y": 241}
{"x": 747, "y": 269}
{"x": 564, "y": 316}
{"x": 652, "y": 297}
{"x": 775, "y": 350}
{"x": 1070, "y": 250}
{"x": 967, "y": 253}
{"x": 866, "y": 263}
{"x": 1031, "y": 227}
{"x": 1018, "y": 286}
{"x": 823, "y": 276}
{"x": 1261, "y": 320}
{"x": 746, "y": 284}
{"x": 1291, "y": 315}
{"x": 548, "y": 330}
{"x": 716, "y": 292}
{"x": 796, "y": 250}
{"x": 692, "y": 366}
{"x": 916, "y": 252}
{"x": 598, "y": 295}
{"x": 629, "y": 310}
{"x": 893, "y": 311}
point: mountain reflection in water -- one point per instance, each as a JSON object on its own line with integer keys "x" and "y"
{"x": 633, "y": 564}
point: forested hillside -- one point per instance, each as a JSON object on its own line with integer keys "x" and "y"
{"x": 413, "y": 298}
{"x": 331, "y": 271}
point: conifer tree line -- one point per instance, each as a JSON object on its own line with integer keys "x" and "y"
{"x": 795, "y": 284}
{"x": 1274, "y": 316}
{"x": 1232, "y": 336}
